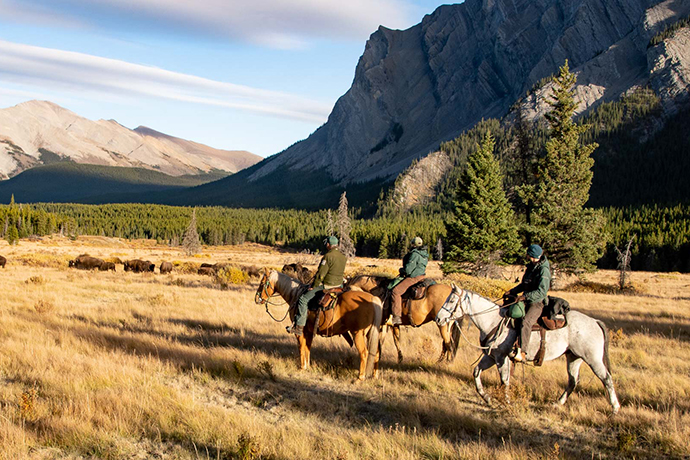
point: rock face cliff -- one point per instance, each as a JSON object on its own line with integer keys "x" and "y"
{"x": 40, "y": 132}
{"x": 416, "y": 88}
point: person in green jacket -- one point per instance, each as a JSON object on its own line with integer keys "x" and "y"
{"x": 328, "y": 276}
{"x": 534, "y": 288}
{"x": 412, "y": 271}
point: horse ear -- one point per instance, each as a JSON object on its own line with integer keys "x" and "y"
{"x": 266, "y": 271}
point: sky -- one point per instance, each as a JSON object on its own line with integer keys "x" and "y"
{"x": 254, "y": 75}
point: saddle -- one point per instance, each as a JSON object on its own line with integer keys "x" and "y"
{"x": 327, "y": 300}
{"x": 415, "y": 292}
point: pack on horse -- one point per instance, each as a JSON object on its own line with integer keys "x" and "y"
{"x": 351, "y": 312}
{"x": 581, "y": 339}
{"x": 421, "y": 304}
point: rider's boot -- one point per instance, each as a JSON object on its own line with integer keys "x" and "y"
{"x": 519, "y": 356}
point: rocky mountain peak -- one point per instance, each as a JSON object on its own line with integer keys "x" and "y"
{"x": 463, "y": 63}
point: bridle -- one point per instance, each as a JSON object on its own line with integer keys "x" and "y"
{"x": 264, "y": 296}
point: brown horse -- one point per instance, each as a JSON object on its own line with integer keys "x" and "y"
{"x": 421, "y": 312}
{"x": 355, "y": 312}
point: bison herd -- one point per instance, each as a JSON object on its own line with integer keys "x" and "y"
{"x": 86, "y": 262}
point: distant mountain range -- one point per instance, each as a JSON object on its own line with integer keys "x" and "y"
{"x": 481, "y": 59}
{"x": 39, "y": 133}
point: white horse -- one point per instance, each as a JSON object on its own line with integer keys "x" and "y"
{"x": 583, "y": 339}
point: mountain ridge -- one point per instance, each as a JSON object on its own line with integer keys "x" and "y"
{"x": 29, "y": 128}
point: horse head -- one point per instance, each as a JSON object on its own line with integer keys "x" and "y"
{"x": 266, "y": 288}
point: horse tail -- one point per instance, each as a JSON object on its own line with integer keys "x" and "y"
{"x": 455, "y": 336}
{"x": 607, "y": 362}
{"x": 373, "y": 344}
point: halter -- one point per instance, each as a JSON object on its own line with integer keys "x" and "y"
{"x": 259, "y": 298}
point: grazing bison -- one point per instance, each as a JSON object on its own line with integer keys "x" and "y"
{"x": 3, "y": 261}
{"x": 139, "y": 266}
{"x": 105, "y": 266}
{"x": 252, "y": 270}
{"x": 298, "y": 272}
{"x": 86, "y": 262}
{"x": 208, "y": 271}
{"x": 166, "y": 267}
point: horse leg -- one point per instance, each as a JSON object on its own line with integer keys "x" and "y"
{"x": 304, "y": 345}
{"x": 446, "y": 352}
{"x": 504, "y": 371}
{"x": 485, "y": 363}
{"x": 361, "y": 344}
{"x": 574, "y": 363}
{"x": 600, "y": 370}
{"x": 396, "y": 341}
{"x": 382, "y": 339}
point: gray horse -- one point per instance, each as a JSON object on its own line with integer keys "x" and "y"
{"x": 583, "y": 339}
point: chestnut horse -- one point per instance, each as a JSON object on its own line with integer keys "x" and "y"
{"x": 421, "y": 312}
{"x": 355, "y": 312}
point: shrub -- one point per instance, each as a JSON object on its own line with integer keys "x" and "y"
{"x": 43, "y": 260}
{"x": 230, "y": 275}
{"x": 186, "y": 267}
{"x": 36, "y": 280}
{"x": 43, "y": 307}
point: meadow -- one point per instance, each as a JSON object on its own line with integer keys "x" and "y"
{"x": 134, "y": 366}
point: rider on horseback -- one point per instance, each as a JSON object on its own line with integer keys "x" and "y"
{"x": 534, "y": 286}
{"x": 328, "y": 276}
{"x": 412, "y": 271}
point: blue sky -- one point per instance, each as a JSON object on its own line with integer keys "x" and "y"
{"x": 239, "y": 75}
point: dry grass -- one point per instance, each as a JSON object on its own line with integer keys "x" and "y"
{"x": 129, "y": 366}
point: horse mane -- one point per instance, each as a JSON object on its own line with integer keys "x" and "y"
{"x": 283, "y": 281}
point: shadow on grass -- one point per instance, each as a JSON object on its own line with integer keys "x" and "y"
{"x": 453, "y": 417}
{"x": 648, "y": 324}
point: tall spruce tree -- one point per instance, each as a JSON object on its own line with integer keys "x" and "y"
{"x": 190, "y": 241}
{"x": 482, "y": 228}
{"x": 344, "y": 228}
{"x": 572, "y": 236}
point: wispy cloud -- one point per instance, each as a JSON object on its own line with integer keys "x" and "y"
{"x": 274, "y": 23}
{"x": 47, "y": 68}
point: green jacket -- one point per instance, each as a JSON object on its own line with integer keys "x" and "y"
{"x": 414, "y": 263}
{"x": 331, "y": 269}
{"x": 535, "y": 282}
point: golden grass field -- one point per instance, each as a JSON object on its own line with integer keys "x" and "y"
{"x": 136, "y": 366}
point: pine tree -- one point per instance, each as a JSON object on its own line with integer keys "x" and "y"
{"x": 482, "y": 227}
{"x": 330, "y": 225}
{"x": 383, "y": 247}
{"x": 12, "y": 235}
{"x": 344, "y": 227}
{"x": 572, "y": 236}
{"x": 439, "y": 249}
{"x": 190, "y": 240}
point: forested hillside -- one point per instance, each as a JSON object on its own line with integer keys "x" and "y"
{"x": 662, "y": 234}
{"x": 66, "y": 181}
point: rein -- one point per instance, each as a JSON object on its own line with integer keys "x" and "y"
{"x": 258, "y": 298}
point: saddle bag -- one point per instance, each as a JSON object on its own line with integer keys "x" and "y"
{"x": 517, "y": 310}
